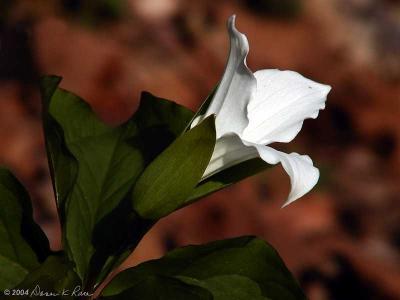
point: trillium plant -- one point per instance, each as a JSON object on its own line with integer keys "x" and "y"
{"x": 112, "y": 184}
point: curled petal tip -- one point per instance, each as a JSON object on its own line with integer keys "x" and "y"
{"x": 231, "y": 20}
{"x": 232, "y": 23}
{"x": 239, "y": 39}
{"x": 236, "y": 87}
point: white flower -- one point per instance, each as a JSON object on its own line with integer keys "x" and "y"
{"x": 254, "y": 110}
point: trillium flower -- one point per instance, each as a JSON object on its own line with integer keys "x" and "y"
{"x": 254, "y": 110}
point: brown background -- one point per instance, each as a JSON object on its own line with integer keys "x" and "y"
{"x": 342, "y": 240}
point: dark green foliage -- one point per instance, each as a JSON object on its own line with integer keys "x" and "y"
{"x": 220, "y": 267}
{"x": 111, "y": 185}
{"x": 169, "y": 180}
{"x": 23, "y": 244}
{"x": 55, "y": 276}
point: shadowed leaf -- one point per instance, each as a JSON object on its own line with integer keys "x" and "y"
{"x": 23, "y": 244}
{"x": 218, "y": 264}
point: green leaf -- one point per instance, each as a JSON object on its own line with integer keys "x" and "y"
{"x": 63, "y": 166}
{"x": 167, "y": 182}
{"x": 227, "y": 177}
{"x": 247, "y": 257}
{"x": 94, "y": 167}
{"x": 229, "y": 287}
{"x": 159, "y": 123}
{"x": 203, "y": 107}
{"x": 55, "y": 275}
{"x": 107, "y": 167}
{"x": 23, "y": 244}
{"x": 114, "y": 237}
{"x": 164, "y": 288}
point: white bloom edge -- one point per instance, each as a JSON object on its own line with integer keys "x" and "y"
{"x": 254, "y": 110}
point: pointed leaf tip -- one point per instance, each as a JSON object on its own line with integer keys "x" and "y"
{"x": 48, "y": 85}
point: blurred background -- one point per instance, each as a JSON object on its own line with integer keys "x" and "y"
{"x": 342, "y": 240}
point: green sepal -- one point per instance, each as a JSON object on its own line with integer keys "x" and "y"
{"x": 168, "y": 181}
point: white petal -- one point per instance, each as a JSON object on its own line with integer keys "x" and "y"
{"x": 196, "y": 121}
{"x": 283, "y": 100}
{"x": 236, "y": 88}
{"x": 229, "y": 151}
{"x": 303, "y": 175}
